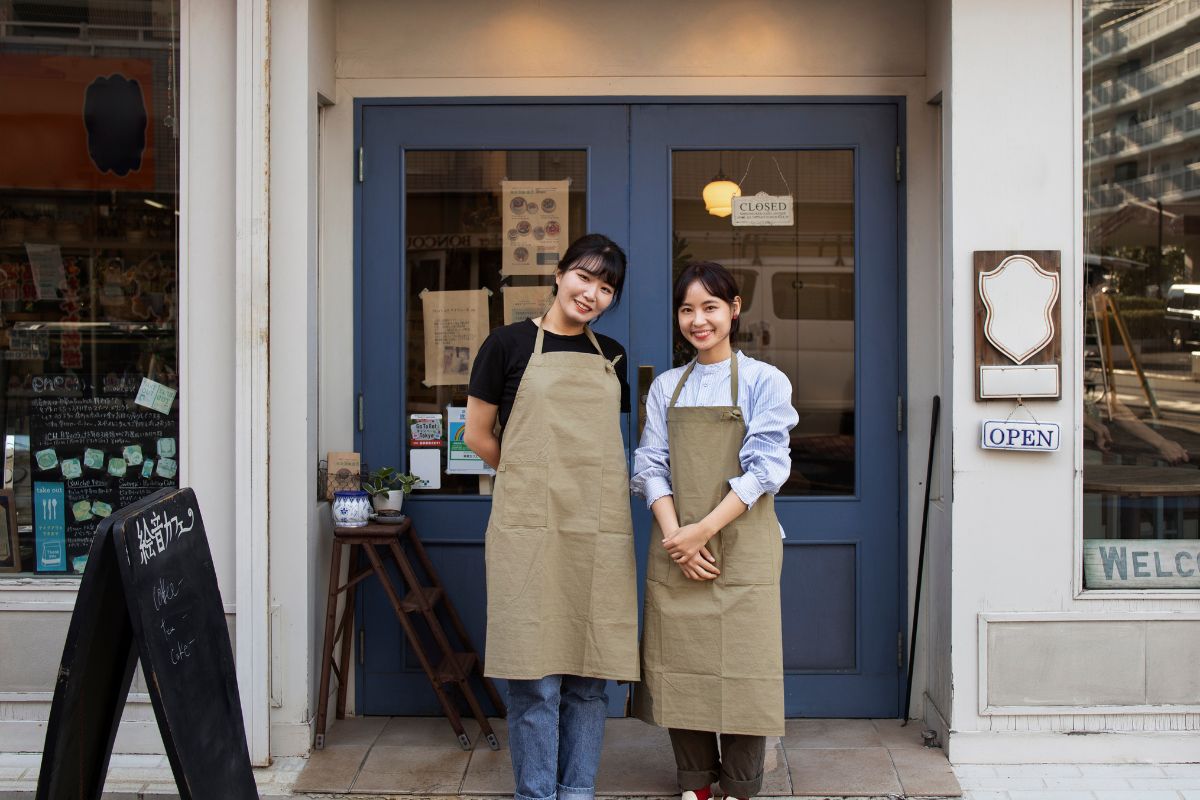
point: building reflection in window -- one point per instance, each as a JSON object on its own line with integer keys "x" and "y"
{"x": 1141, "y": 114}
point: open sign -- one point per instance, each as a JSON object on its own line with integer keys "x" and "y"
{"x": 1020, "y": 435}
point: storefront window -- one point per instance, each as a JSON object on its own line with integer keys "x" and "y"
{"x": 1141, "y": 159}
{"x": 89, "y": 112}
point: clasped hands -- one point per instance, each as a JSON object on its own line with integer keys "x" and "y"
{"x": 687, "y": 546}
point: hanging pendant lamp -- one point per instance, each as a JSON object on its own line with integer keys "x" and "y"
{"x": 718, "y": 194}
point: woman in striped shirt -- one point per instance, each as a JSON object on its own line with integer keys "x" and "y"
{"x": 714, "y": 451}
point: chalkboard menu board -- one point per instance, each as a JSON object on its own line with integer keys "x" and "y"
{"x": 91, "y": 456}
{"x": 154, "y": 554}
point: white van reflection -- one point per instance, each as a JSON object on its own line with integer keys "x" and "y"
{"x": 798, "y": 314}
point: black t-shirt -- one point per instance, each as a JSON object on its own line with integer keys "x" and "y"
{"x": 505, "y": 353}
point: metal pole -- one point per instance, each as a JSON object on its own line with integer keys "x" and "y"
{"x": 912, "y": 644}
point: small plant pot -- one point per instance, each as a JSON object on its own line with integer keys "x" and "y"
{"x": 393, "y": 502}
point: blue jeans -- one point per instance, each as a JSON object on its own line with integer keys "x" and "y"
{"x": 555, "y": 730}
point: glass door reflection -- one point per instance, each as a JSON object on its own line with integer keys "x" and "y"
{"x": 797, "y": 286}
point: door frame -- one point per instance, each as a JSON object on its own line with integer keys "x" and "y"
{"x": 361, "y": 104}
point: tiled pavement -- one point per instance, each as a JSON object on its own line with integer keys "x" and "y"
{"x": 1081, "y": 781}
{"x": 377, "y": 757}
{"x": 817, "y": 758}
{"x": 133, "y": 777}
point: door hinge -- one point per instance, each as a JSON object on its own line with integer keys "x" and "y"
{"x": 361, "y": 416}
{"x": 360, "y": 165}
{"x": 362, "y": 648}
{"x": 899, "y": 414}
{"x": 897, "y": 164}
{"x": 899, "y": 648}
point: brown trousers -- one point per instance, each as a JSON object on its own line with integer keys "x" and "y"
{"x": 738, "y": 765}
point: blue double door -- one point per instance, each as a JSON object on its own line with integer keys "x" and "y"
{"x": 822, "y": 299}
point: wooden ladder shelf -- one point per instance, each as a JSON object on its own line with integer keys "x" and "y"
{"x": 422, "y": 599}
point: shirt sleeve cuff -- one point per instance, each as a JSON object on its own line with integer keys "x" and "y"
{"x": 747, "y": 488}
{"x": 656, "y": 488}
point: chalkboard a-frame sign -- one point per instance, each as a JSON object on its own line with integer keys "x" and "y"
{"x": 149, "y": 593}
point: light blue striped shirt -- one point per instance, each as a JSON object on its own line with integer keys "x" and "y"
{"x": 765, "y": 397}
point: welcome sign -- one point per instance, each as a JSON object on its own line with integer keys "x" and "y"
{"x": 1141, "y": 563}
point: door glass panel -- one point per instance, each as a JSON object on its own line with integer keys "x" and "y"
{"x": 456, "y": 210}
{"x": 797, "y": 288}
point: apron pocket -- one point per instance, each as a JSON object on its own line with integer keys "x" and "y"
{"x": 659, "y": 566}
{"x": 615, "y": 516}
{"x": 523, "y": 495}
{"x": 749, "y": 555}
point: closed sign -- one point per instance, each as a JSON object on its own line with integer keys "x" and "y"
{"x": 763, "y": 210}
{"x": 1020, "y": 435}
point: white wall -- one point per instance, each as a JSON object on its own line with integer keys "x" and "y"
{"x": 1015, "y": 156}
{"x": 301, "y": 46}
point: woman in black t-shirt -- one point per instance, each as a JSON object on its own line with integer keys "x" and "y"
{"x": 561, "y": 576}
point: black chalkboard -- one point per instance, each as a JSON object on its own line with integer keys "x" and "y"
{"x": 99, "y": 454}
{"x": 152, "y": 584}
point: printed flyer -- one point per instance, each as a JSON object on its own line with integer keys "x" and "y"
{"x": 456, "y": 323}
{"x": 524, "y": 302}
{"x": 535, "y": 226}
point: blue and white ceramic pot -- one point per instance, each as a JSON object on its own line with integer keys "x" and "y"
{"x": 351, "y": 509}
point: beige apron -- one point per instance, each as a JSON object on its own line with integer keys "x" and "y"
{"x": 561, "y": 574}
{"x": 712, "y": 651}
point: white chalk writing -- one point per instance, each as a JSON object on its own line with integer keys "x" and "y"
{"x": 156, "y": 533}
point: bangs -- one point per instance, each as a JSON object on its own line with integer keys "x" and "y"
{"x": 605, "y": 268}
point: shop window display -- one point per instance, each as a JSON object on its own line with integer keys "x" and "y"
{"x": 1141, "y": 159}
{"x": 88, "y": 267}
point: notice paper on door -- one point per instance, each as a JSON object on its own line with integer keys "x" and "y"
{"x": 524, "y": 302}
{"x": 535, "y": 226}
{"x": 426, "y": 463}
{"x": 456, "y": 323}
{"x": 460, "y": 459}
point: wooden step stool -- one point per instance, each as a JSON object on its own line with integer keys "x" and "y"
{"x": 455, "y": 666}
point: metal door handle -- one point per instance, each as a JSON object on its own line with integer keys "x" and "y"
{"x": 645, "y": 378}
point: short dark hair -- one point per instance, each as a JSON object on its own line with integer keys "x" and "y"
{"x": 597, "y": 255}
{"x": 716, "y": 280}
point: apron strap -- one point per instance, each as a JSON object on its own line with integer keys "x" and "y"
{"x": 537, "y": 342}
{"x": 541, "y": 337}
{"x": 682, "y": 381}
{"x": 595, "y": 343}
{"x": 733, "y": 379}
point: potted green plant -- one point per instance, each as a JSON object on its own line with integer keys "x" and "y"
{"x": 387, "y": 488}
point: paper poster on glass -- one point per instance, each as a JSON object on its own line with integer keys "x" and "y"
{"x": 524, "y": 302}
{"x": 460, "y": 459}
{"x": 535, "y": 226}
{"x": 456, "y": 323}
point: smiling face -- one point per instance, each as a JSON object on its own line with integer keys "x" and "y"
{"x": 581, "y": 296}
{"x": 705, "y": 321}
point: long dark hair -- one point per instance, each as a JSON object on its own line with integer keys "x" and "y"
{"x": 716, "y": 280}
{"x": 597, "y": 255}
